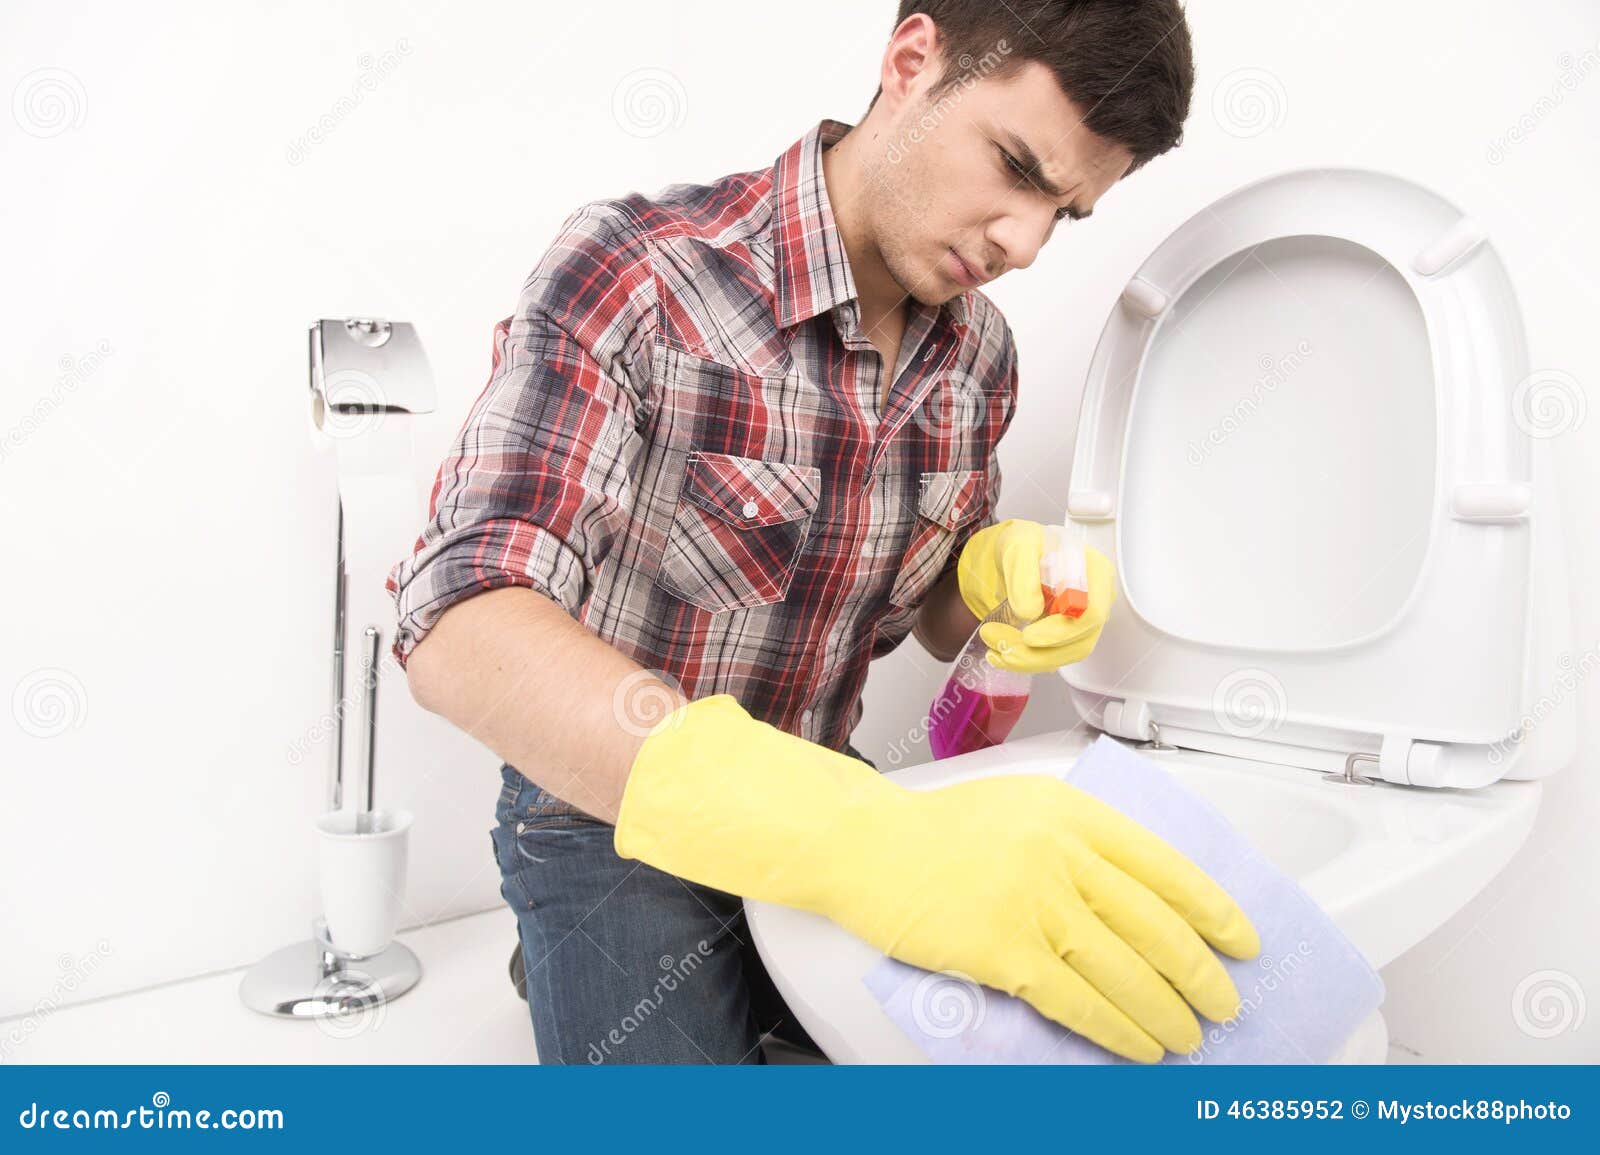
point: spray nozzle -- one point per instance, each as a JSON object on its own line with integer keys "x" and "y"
{"x": 1064, "y": 571}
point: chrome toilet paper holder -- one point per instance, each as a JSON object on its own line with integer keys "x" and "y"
{"x": 358, "y": 365}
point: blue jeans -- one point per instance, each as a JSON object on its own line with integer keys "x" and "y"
{"x": 626, "y": 963}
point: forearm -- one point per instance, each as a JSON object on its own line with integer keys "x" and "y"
{"x": 512, "y": 669}
{"x": 944, "y": 623}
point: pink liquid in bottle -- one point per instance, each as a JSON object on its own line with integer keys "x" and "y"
{"x": 966, "y": 719}
{"x": 979, "y": 703}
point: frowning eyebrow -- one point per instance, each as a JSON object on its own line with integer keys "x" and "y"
{"x": 1030, "y": 163}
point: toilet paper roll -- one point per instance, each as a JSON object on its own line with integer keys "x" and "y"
{"x": 316, "y": 414}
{"x": 382, "y": 517}
{"x": 382, "y": 504}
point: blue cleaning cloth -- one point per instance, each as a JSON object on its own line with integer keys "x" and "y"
{"x": 1301, "y": 998}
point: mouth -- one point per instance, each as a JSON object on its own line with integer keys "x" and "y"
{"x": 963, "y": 273}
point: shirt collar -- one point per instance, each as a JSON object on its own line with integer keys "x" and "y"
{"x": 811, "y": 270}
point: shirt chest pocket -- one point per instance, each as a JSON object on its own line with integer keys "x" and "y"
{"x": 946, "y": 503}
{"x": 737, "y": 530}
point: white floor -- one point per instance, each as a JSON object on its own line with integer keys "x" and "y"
{"x": 463, "y": 1011}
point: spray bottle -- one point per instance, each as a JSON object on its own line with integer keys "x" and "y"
{"x": 980, "y": 703}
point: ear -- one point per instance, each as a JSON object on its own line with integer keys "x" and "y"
{"x": 911, "y": 61}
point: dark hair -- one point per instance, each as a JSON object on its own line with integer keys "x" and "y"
{"x": 1128, "y": 63}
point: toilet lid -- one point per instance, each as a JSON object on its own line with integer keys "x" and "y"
{"x": 1298, "y": 446}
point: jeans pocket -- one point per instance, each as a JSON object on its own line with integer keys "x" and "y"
{"x": 525, "y": 805}
{"x": 533, "y": 828}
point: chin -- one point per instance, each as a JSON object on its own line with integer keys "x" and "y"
{"x": 925, "y": 284}
{"x": 933, "y": 289}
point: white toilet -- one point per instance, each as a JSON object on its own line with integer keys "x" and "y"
{"x": 1312, "y": 447}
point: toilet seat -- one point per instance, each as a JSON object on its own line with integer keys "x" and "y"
{"x": 1394, "y": 600}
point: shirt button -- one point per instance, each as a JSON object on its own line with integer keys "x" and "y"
{"x": 805, "y": 719}
{"x": 751, "y": 509}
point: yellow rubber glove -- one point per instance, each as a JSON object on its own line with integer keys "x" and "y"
{"x": 1022, "y": 883}
{"x": 1001, "y": 563}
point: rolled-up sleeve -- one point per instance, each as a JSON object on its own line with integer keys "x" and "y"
{"x": 541, "y": 478}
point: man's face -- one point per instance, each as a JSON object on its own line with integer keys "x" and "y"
{"x": 949, "y": 207}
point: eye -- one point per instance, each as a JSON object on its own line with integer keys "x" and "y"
{"x": 1015, "y": 166}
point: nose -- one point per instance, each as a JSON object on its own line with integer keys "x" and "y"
{"x": 1019, "y": 237}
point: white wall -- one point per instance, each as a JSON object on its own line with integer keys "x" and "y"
{"x": 171, "y": 231}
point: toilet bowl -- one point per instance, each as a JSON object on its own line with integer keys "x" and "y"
{"x": 1311, "y": 444}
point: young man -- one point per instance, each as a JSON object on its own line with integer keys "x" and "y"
{"x": 739, "y": 439}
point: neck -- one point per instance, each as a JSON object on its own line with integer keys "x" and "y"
{"x": 843, "y": 175}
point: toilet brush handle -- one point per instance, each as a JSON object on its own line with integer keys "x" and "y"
{"x": 336, "y": 792}
{"x": 369, "y": 678}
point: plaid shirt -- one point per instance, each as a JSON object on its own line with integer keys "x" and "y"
{"x": 684, "y": 443}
